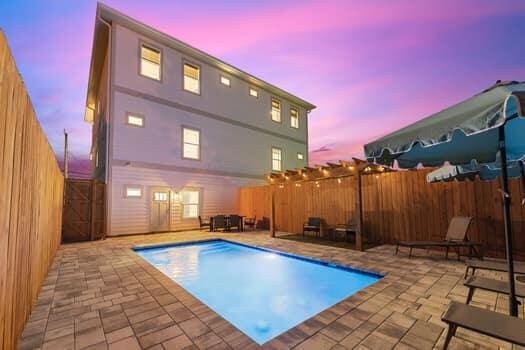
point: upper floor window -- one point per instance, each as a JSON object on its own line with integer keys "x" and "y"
{"x": 277, "y": 159}
{"x": 133, "y": 191}
{"x": 192, "y": 78}
{"x": 135, "y": 119}
{"x": 254, "y": 93}
{"x": 150, "y": 62}
{"x": 300, "y": 156}
{"x": 276, "y": 110}
{"x": 294, "y": 118}
{"x": 190, "y": 204}
{"x": 190, "y": 143}
{"x": 225, "y": 81}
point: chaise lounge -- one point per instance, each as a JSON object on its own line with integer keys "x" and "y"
{"x": 456, "y": 238}
{"x": 483, "y": 321}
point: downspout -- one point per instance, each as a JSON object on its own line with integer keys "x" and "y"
{"x": 108, "y": 125}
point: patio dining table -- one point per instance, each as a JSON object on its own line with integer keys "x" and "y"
{"x": 227, "y": 219}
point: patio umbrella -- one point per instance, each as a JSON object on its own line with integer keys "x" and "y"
{"x": 485, "y": 129}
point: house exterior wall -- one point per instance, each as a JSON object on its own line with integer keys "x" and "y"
{"x": 218, "y": 195}
{"x": 236, "y": 136}
{"x": 231, "y": 102}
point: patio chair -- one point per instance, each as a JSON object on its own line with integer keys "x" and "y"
{"x": 456, "y": 238}
{"x": 235, "y": 222}
{"x": 491, "y": 323}
{"x": 502, "y": 287}
{"x": 219, "y": 222}
{"x": 263, "y": 224}
{"x": 204, "y": 224}
{"x": 491, "y": 265}
{"x": 250, "y": 222}
{"x": 348, "y": 229}
{"x": 313, "y": 225}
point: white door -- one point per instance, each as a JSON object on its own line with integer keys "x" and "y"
{"x": 160, "y": 209}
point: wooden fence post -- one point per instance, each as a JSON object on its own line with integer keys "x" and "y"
{"x": 272, "y": 213}
{"x": 359, "y": 211}
{"x": 93, "y": 209}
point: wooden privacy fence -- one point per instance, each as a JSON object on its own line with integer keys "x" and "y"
{"x": 396, "y": 206}
{"x": 30, "y": 202}
{"x": 84, "y": 211}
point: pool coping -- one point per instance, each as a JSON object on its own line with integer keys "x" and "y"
{"x": 372, "y": 273}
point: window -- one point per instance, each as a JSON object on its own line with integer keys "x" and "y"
{"x": 254, "y": 93}
{"x": 135, "y": 119}
{"x": 160, "y": 196}
{"x": 150, "y": 61}
{"x": 277, "y": 157}
{"x": 190, "y": 204}
{"x": 190, "y": 143}
{"x": 276, "y": 110}
{"x": 294, "y": 118}
{"x": 225, "y": 81}
{"x": 133, "y": 191}
{"x": 300, "y": 156}
{"x": 192, "y": 78}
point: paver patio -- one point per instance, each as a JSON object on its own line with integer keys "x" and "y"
{"x": 101, "y": 295}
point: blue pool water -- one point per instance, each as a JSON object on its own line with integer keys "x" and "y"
{"x": 263, "y": 293}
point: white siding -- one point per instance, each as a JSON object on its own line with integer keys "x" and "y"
{"x": 232, "y": 102}
{"x": 224, "y": 147}
{"x": 219, "y": 195}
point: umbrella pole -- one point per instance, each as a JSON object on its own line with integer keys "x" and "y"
{"x": 513, "y": 303}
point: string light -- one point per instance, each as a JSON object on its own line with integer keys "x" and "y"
{"x": 338, "y": 181}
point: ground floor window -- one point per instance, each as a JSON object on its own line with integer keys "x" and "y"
{"x": 190, "y": 204}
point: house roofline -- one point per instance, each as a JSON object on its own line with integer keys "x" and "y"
{"x": 108, "y": 14}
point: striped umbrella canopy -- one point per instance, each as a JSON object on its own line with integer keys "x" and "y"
{"x": 487, "y": 128}
{"x": 460, "y": 134}
{"x": 486, "y": 172}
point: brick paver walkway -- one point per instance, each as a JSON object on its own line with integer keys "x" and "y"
{"x": 101, "y": 295}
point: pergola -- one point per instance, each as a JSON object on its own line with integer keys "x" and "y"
{"x": 356, "y": 167}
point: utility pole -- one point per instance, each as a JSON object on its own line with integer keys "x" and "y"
{"x": 66, "y": 157}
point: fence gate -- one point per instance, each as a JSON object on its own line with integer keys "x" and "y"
{"x": 84, "y": 212}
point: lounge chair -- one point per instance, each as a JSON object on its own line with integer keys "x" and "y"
{"x": 483, "y": 321}
{"x": 204, "y": 224}
{"x": 348, "y": 229}
{"x": 235, "y": 222}
{"x": 491, "y": 285}
{"x": 473, "y": 265}
{"x": 250, "y": 222}
{"x": 313, "y": 225}
{"x": 456, "y": 238}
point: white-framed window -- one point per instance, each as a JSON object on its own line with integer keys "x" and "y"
{"x": 300, "y": 156}
{"x": 254, "y": 93}
{"x": 225, "y": 81}
{"x": 192, "y": 76}
{"x": 277, "y": 159}
{"x": 135, "y": 119}
{"x": 294, "y": 118}
{"x": 133, "y": 191}
{"x": 150, "y": 62}
{"x": 191, "y": 143}
{"x": 190, "y": 204}
{"x": 160, "y": 196}
{"x": 276, "y": 110}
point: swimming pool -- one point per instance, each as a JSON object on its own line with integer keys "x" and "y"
{"x": 261, "y": 292}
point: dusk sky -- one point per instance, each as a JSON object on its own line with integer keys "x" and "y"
{"x": 370, "y": 66}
